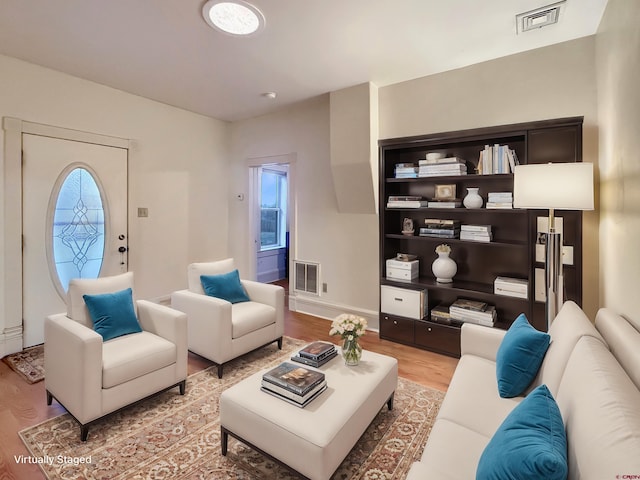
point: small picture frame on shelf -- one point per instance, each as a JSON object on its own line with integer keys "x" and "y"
{"x": 445, "y": 192}
{"x": 407, "y": 227}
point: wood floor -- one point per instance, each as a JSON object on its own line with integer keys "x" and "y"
{"x": 23, "y": 405}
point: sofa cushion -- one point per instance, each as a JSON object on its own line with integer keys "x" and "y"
{"x": 530, "y": 444}
{"x": 519, "y": 357}
{"x": 226, "y": 286}
{"x": 247, "y": 317}
{"x": 441, "y": 460}
{"x": 569, "y": 326}
{"x": 113, "y": 314}
{"x": 132, "y": 356}
{"x": 601, "y": 410}
{"x": 472, "y": 398}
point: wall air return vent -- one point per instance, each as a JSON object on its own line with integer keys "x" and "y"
{"x": 538, "y": 18}
{"x": 307, "y": 277}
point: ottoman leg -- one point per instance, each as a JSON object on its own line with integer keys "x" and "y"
{"x": 390, "y": 401}
{"x": 224, "y": 440}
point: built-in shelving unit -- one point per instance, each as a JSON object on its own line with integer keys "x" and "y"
{"x": 512, "y": 251}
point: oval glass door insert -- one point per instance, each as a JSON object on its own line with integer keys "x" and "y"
{"x": 77, "y": 227}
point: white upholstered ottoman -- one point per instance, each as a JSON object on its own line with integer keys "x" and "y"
{"x": 313, "y": 440}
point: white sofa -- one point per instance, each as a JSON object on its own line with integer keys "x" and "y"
{"x": 593, "y": 372}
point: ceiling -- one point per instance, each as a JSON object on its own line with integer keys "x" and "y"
{"x": 165, "y": 51}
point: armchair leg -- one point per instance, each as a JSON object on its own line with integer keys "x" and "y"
{"x": 183, "y": 386}
{"x": 220, "y": 370}
{"x": 280, "y": 343}
{"x": 49, "y": 398}
{"x": 84, "y": 432}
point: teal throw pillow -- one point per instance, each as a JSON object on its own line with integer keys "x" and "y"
{"x": 113, "y": 314}
{"x": 519, "y": 357}
{"x": 226, "y": 286}
{"x": 531, "y": 443}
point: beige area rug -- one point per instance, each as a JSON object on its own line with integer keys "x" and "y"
{"x": 178, "y": 437}
{"x": 29, "y": 363}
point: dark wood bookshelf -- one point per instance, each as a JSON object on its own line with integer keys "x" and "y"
{"x": 511, "y": 253}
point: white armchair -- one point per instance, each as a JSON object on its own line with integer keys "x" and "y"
{"x": 221, "y": 331}
{"x": 90, "y": 377}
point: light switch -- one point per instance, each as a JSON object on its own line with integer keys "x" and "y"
{"x": 143, "y": 212}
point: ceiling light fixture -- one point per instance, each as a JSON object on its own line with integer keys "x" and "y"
{"x": 270, "y": 95}
{"x": 235, "y": 18}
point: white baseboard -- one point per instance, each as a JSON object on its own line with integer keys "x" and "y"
{"x": 318, "y": 308}
{"x": 11, "y": 341}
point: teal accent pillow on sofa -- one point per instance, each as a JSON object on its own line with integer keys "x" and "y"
{"x": 113, "y": 314}
{"x": 226, "y": 286}
{"x": 531, "y": 443}
{"x": 519, "y": 357}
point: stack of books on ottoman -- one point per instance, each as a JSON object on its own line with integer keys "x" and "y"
{"x": 316, "y": 354}
{"x": 293, "y": 383}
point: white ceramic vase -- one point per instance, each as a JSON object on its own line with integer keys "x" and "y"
{"x": 444, "y": 268}
{"x": 472, "y": 199}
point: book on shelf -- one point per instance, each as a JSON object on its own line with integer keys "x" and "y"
{"x": 468, "y": 304}
{"x": 404, "y": 198}
{"x": 500, "y": 200}
{"x": 439, "y": 232}
{"x": 476, "y": 233}
{"x": 452, "y": 169}
{"x": 441, "y": 161}
{"x": 499, "y": 205}
{"x": 486, "y": 317}
{"x": 295, "y": 378}
{"x": 497, "y": 159}
{"x": 297, "y": 401}
{"x": 511, "y": 287}
{"x": 445, "y": 204}
{"x": 441, "y": 223}
{"x": 408, "y": 204}
{"x": 440, "y": 314}
{"x": 468, "y": 227}
{"x": 314, "y": 363}
{"x": 500, "y": 196}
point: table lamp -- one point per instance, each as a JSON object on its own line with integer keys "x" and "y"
{"x": 553, "y": 186}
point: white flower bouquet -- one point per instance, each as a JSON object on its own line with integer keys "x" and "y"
{"x": 348, "y": 326}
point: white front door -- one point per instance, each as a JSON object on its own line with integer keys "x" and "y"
{"x": 74, "y": 221}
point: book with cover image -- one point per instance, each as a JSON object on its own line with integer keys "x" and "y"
{"x": 294, "y": 378}
{"x": 317, "y": 350}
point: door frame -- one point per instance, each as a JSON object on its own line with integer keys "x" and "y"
{"x": 254, "y": 207}
{"x": 11, "y": 322}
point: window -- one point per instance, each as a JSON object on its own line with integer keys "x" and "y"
{"x": 273, "y": 208}
{"x": 78, "y": 228}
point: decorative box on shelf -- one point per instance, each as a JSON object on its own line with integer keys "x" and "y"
{"x": 401, "y": 270}
{"x": 403, "y": 302}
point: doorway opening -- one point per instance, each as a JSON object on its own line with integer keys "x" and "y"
{"x": 273, "y": 223}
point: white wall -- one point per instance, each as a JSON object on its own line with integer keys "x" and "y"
{"x": 178, "y": 168}
{"x": 551, "y": 82}
{"x": 618, "y": 67}
{"x": 345, "y": 245}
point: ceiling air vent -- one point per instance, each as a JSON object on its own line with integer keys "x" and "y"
{"x": 538, "y": 18}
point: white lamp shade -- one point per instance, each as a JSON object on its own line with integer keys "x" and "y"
{"x": 561, "y": 186}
